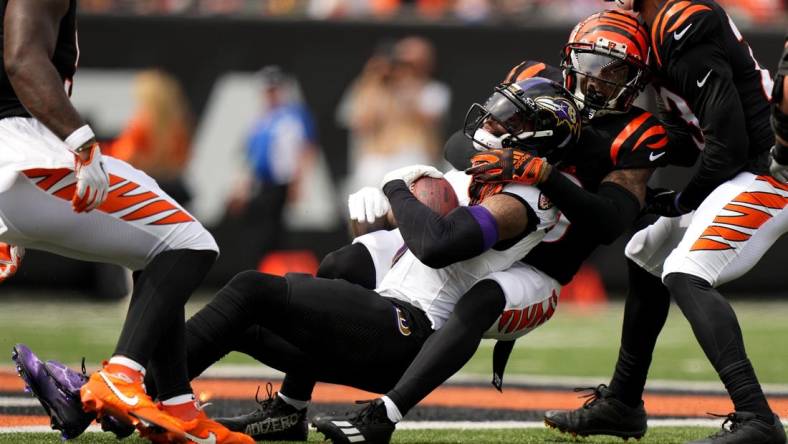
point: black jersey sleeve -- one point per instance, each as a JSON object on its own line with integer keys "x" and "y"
{"x": 642, "y": 143}
{"x": 705, "y": 79}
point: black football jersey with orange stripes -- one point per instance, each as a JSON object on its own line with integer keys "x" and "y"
{"x": 64, "y": 58}
{"x": 633, "y": 140}
{"x": 707, "y": 79}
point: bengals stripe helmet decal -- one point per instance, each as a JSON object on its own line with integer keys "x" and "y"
{"x": 606, "y": 60}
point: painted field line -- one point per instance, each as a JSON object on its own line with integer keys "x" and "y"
{"x": 445, "y": 425}
{"x": 18, "y": 402}
{"x": 39, "y": 429}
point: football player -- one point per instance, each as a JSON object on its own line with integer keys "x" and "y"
{"x": 712, "y": 232}
{"x": 331, "y": 330}
{"x": 59, "y": 194}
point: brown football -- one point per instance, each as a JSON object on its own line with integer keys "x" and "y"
{"x": 437, "y": 194}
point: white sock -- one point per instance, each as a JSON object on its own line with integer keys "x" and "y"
{"x": 391, "y": 410}
{"x": 178, "y": 400}
{"x": 128, "y": 363}
{"x": 295, "y": 403}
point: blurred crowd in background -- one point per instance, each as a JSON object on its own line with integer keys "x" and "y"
{"x": 746, "y": 12}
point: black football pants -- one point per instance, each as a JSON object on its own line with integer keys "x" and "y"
{"x": 313, "y": 329}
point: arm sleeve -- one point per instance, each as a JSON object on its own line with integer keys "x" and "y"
{"x": 438, "y": 241}
{"x": 705, "y": 79}
{"x": 604, "y": 214}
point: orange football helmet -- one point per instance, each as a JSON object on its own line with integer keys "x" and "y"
{"x": 605, "y": 62}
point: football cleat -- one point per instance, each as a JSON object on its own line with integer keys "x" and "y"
{"x": 71, "y": 381}
{"x": 370, "y": 424}
{"x": 120, "y": 396}
{"x": 601, "y": 414}
{"x": 59, "y": 397}
{"x": 746, "y": 428}
{"x": 273, "y": 420}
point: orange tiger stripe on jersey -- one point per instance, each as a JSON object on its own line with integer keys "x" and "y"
{"x": 689, "y": 12}
{"x": 531, "y": 71}
{"x": 658, "y": 29}
{"x": 622, "y": 137}
{"x": 773, "y": 182}
{"x": 48, "y": 178}
{"x": 178, "y": 217}
{"x": 651, "y": 132}
{"x": 151, "y": 209}
{"x": 748, "y": 217}
{"x": 117, "y": 199}
{"x": 708, "y": 244}
{"x": 768, "y": 200}
{"x": 725, "y": 233}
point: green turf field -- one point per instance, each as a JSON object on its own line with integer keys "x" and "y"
{"x": 662, "y": 435}
{"x": 573, "y": 343}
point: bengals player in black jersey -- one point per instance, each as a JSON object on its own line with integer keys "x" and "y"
{"x": 709, "y": 84}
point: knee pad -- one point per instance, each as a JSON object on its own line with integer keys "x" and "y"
{"x": 352, "y": 263}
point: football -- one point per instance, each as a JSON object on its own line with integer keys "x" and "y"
{"x": 437, "y": 194}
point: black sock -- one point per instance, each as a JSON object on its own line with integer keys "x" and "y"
{"x": 168, "y": 364}
{"x": 160, "y": 292}
{"x": 297, "y": 387}
{"x": 645, "y": 312}
{"x": 448, "y": 349}
{"x": 717, "y": 330}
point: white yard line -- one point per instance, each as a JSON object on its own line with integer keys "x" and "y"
{"x": 447, "y": 425}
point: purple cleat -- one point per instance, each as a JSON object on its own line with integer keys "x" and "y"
{"x": 57, "y": 389}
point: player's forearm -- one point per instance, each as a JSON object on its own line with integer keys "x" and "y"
{"x": 41, "y": 91}
{"x": 604, "y": 214}
{"x": 438, "y": 241}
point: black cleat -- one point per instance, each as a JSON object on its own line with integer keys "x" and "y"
{"x": 746, "y": 428}
{"x": 601, "y": 414}
{"x": 370, "y": 424}
{"x": 274, "y": 420}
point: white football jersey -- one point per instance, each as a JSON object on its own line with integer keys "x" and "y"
{"x": 436, "y": 291}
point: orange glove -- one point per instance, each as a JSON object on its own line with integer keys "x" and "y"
{"x": 10, "y": 259}
{"x": 508, "y": 165}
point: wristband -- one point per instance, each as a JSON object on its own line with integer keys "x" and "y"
{"x": 79, "y": 137}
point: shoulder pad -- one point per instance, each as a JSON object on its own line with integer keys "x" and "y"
{"x": 640, "y": 143}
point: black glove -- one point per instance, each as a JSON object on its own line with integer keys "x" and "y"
{"x": 664, "y": 202}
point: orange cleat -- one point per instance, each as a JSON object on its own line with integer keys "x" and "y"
{"x": 201, "y": 430}
{"x": 115, "y": 393}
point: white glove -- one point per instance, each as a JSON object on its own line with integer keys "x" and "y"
{"x": 778, "y": 171}
{"x": 367, "y": 205}
{"x": 10, "y": 259}
{"x": 410, "y": 174}
{"x": 92, "y": 181}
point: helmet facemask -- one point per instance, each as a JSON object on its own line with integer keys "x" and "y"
{"x": 504, "y": 121}
{"x": 600, "y": 79}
